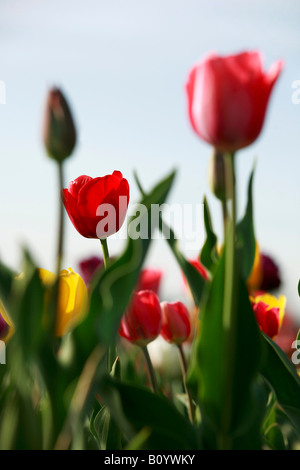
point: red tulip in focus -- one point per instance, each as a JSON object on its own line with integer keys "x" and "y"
{"x": 97, "y": 206}
{"x": 176, "y": 324}
{"x": 141, "y": 323}
{"x": 228, "y": 98}
{"x": 149, "y": 279}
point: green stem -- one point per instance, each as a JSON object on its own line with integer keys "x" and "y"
{"x": 183, "y": 364}
{"x": 229, "y": 304}
{"x": 105, "y": 252}
{"x": 225, "y": 217}
{"x": 112, "y": 352}
{"x": 150, "y": 369}
{"x": 60, "y": 220}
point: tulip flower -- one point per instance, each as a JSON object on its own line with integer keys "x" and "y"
{"x": 89, "y": 266}
{"x": 228, "y": 98}
{"x": 269, "y": 312}
{"x": 265, "y": 275}
{"x": 59, "y": 130}
{"x": 176, "y": 324}
{"x": 149, "y": 279}
{"x": 6, "y": 324}
{"x": 176, "y": 328}
{"x": 270, "y": 273}
{"x": 97, "y": 206}
{"x": 141, "y": 323}
{"x": 72, "y": 298}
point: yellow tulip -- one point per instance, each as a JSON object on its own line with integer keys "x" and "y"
{"x": 255, "y": 278}
{"x": 73, "y": 298}
{"x": 6, "y": 324}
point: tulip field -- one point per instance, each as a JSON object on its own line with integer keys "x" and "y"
{"x": 77, "y": 365}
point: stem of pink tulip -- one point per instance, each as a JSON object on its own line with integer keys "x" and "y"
{"x": 229, "y": 306}
{"x": 183, "y": 364}
{"x": 111, "y": 353}
{"x": 61, "y": 220}
{"x": 150, "y": 369}
{"x": 105, "y": 252}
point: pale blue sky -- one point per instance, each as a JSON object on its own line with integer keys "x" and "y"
{"x": 123, "y": 66}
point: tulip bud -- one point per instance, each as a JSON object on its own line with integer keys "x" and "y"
{"x": 141, "y": 323}
{"x": 59, "y": 131}
{"x": 217, "y": 175}
{"x": 176, "y": 325}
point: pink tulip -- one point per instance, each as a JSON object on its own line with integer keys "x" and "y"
{"x": 228, "y": 98}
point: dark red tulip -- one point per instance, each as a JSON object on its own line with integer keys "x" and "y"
{"x": 228, "y": 98}
{"x": 141, "y": 322}
{"x": 270, "y": 273}
{"x": 176, "y": 324}
{"x": 97, "y": 207}
{"x": 89, "y": 266}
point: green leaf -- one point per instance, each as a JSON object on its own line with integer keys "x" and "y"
{"x": 218, "y": 390}
{"x": 31, "y": 318}
{"x": 6, "y": 280}
{"x": 209, "y": 255}
{"x": 274, "y": 438}
{"x": 108, "y": 434}
{"x": 246, "y": 243}
{"x": 281, "y": 375}
{"x": 144, "y": 409}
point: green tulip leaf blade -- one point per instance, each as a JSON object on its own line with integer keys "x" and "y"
{"x": 280, "y": 373}
{"x": 209, "y": 256}
{"x": 246, "y": 243}
{"x": 167, "y": 428}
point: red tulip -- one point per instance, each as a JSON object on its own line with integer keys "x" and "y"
{"x": 228, "y": 97}
{"x": 141, "y": 323}
{"x": 176, "y": 324}
{"x": 97, "y": 206}
{"x": 270, "y": 273}
{"x": 269, "y": 312}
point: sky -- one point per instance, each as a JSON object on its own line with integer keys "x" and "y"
{"x": 123, "y": 66}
